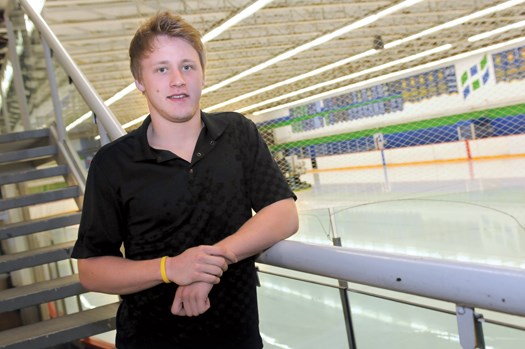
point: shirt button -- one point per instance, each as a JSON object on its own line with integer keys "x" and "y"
{"x": 199, "y": 155}
{"x": 190, "y": 171}
{"x": 212, "y": 142}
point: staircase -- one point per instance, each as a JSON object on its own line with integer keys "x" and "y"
{"x": 40, "y": 205}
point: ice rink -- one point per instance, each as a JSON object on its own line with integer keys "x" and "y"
{"x": 465, "y": 211}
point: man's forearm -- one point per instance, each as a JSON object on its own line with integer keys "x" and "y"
{"x": 270, "y": 225}
{"x": 116, "y": 275}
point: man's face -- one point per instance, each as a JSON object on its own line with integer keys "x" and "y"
{"x": 172, "y": 80}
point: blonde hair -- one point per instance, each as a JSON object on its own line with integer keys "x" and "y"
{"x": 167, "y": 24}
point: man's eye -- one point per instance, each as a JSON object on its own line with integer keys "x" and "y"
{"x": 162, "y": 70}
{"x": 187, "y": 67}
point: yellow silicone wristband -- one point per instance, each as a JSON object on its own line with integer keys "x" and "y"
{"x": 163, "y": 270}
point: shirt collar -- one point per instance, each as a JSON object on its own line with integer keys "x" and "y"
{"x": 213, "y": 126}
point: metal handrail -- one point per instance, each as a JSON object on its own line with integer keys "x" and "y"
{"x": 472, "y": 285}
{"x": 104, "y": 115}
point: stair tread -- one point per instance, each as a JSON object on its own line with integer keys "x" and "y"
{"x": 24, "y": 135}
{"x": 28, "y": 175}
{"x": 26, "y": 154}
{"x": 40, "y": 292}
{"x": 40, "y": 198}
{"x": 34, "y": 257}
{"x": 38, "y": 225}
{"x": 61, "y": 330}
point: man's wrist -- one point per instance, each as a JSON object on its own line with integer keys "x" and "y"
{"x": 163, "y": 272}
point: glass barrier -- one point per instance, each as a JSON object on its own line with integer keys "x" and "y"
{"x": 461, "y": 212}
{"x": 382, "y": 323}
{"x": 314, "y": 227}
{"x": 442, "y": 228}
{"x": 298, "y": 314}
{"x": 503, "y": 336}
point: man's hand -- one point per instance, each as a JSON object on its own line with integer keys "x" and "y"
{"x": 191, "y": 300}
{"x": 199, "y": 264}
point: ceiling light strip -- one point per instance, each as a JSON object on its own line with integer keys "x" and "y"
{"x": 456, "y": 22}
{"x": 497, "y": 31}
{"x": 320, "y": 40}
{"x": 348, "y": 77}
{"x": 116, "y": 97}
{"x": 429, "y": 31}
{"x": 247, "y": 12}
{"x": 293, "y": 79}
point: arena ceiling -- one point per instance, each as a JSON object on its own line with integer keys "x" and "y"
{"x": 285, "y": 39}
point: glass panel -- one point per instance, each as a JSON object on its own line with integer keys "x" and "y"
{"x": 380, "y": 323}
{"x": 501, "y": 337}
{"x": 296, "y": 314}
{"x": 434, "y": 228}
{"x": 314, "y": 227}
{"x": 469, "y": 211}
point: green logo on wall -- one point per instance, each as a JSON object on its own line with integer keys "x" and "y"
{"x": 474, "y": 78}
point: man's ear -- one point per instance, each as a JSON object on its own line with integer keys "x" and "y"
{"x": 139, "y": 86}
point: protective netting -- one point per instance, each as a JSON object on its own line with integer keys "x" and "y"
{"x": 480, "y": 97}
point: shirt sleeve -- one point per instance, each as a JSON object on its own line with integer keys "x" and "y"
{"x": 101, "y": 226}
{"x": 266, "y": 181}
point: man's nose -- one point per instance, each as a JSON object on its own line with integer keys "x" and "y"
{"x": 177, "y": 79}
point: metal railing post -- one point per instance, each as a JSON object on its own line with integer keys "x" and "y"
{"x": 343, "y": 288}
{"x": 470, "y": 328}
{"x": 57, "y": 105}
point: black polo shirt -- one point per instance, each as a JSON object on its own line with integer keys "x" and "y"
{"x": 158, "y": 204}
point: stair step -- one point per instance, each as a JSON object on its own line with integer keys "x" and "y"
{"x": 24, "y": 135}
{"x": 61, "y": 330}
{"x": 39, "y": 225}
{"x": 40, "y": 292}
{"x": 28, "y": 154}
{"x": 24, "y": 176}
{"x": 39, "y": 198}
{"x": 34, "y": 257}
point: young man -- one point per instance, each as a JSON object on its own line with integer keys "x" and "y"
{"x": 178, "y": 193}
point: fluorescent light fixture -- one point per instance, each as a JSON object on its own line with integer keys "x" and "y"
{"x": 348, "y": 77}
{"x": 134, "y": 122}
{"x": 250, "y": 10}
{"x": 116, "y": 97}
{"x": 320, "y": 40}
{"x": 456, "y": 22}
{"x": 392, "y": 9}
{"x": 497, "y": 31}
{"x": 79, "y": 121}
{"x": 294, "y": 79}
{"x": 393, "y": 75}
